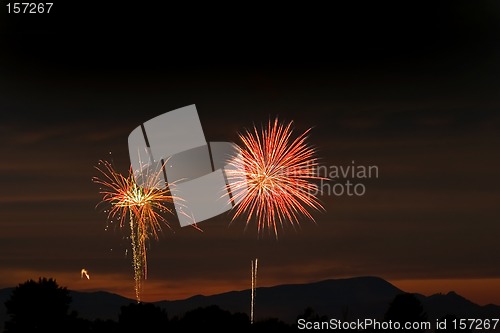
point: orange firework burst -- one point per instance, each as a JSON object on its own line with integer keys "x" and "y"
{"x": 272, "y": 177}
{"x": 143, "y": 207}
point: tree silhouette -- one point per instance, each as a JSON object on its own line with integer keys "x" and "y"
{"x": 406, "y": 308}
{"x": 38, "y": 307}
{"x": 311, "y": 315}
{"x": 213, "y": 318}
{"x": 105, "y": 326}
{"x": 142, "y": 317}
{"x": 271, "y": 325}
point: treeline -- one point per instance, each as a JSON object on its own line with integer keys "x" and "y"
{"x": 44, "y": 306}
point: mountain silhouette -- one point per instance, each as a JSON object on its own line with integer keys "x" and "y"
{"x": 359, "y": 296}
{"x": 346, "y": 299}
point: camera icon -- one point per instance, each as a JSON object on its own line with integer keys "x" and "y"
{"x": 173, "y": 147}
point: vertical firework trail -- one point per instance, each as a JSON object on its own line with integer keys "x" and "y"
{"x": 142, "y": 205}
{"x": 272, "y": 177}
{"x": 254, "y": 285}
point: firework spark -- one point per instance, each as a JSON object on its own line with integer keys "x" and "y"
{"x": 142, "y": 205}
{"x": 254, "y": 285}
{"x": 84, "y": 273}
{"x": 273, "y": 176}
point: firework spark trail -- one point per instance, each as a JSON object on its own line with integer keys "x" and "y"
{"x": 84, "y": 273}
{"x": 272, "y": 177}
{"x": 254, "y": 285}
{"x": 142, "y": 205}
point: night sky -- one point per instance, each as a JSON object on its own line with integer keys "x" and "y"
{"x": 414, "y": 91}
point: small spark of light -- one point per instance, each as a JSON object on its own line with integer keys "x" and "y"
{"x": 84, "y": 273}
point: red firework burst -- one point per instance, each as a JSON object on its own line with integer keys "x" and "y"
{"x": 272, "y": 177}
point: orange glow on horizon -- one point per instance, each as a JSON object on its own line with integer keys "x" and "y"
{"x": 481, "y": 291}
